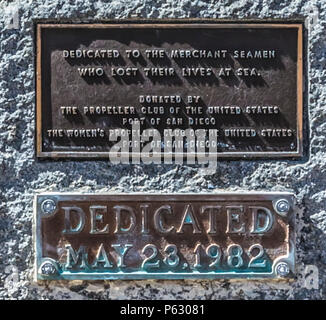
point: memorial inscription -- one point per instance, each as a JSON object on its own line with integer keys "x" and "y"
{"x": 174, "y": 236}
{"x": 156, "y": 90}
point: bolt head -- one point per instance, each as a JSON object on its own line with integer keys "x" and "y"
{"x": 48, "y": 269}
{"x": 282, "y": 269}
{"x": 282, "y": 207}
{"x": 48, "y": 206}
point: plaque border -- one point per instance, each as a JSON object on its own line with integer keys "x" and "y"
{"x": 289, "y": 258}
{"x": 191, "y": 23}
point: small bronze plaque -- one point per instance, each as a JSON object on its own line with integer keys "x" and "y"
{"x": 233, "y": 90}
{"x": 172, "y": 236}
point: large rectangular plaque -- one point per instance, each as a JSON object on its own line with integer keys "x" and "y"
{"x": 236, "y": 86}
{"x": 171, "y": 236}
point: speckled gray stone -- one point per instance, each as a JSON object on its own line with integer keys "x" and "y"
{"x": 21, "y": 175}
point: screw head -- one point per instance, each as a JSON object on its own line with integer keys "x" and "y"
{"x": 48, "y": 269}
{"x": 282, "y": 207}
{"x": 282, "y": 269}
{"x": 48, "y": 206}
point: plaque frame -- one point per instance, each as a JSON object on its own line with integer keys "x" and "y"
{"x": 186, "y": 23}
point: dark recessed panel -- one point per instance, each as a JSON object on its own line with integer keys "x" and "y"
{"x": 241, "y": 84}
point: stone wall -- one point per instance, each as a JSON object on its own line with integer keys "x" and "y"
{"x": 22, "y": 175}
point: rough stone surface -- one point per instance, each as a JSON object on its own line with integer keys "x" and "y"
{"x": 21, "y": 175}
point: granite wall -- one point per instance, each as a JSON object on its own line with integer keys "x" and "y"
{"x": 22, "y": 175}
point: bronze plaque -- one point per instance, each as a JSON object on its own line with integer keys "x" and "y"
{"x": 171, "y": 236}
{"x": 233, "y": 90}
